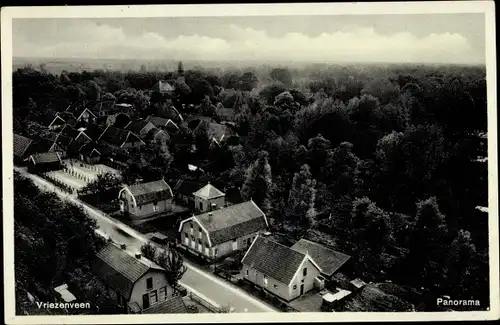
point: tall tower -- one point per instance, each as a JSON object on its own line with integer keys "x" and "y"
{"x": 180, "y": 69}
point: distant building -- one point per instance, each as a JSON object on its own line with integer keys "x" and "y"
{"x": 208, "y": 198}
{"x": 146, "y": 199}
{"x": 44, "y": 162}
{"x": 134, "y": 281}
{"x": 90, "y": 153}
{"x": 120, "y": 139}
{"x": 164, "y": 87}
{"x": 164, "y": 124}
{"x": 280, "y": 270}
{"x": 85, "y": 115}
{"x": 221, "y": 232}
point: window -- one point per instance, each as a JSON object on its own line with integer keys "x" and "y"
{"x": 275, "y": 286}
{"x": 201, "y": 206}
{"x": 294, "y": 287}
{"x": 206, "y": 245}
{"x": 199, "y": 230}
{"x": 192, "y": 238}
{"x": 199, "y": 241}
{"x": 265, "y": 281}
{"x": 304, "y": 272}
{"x": 163, "y": 293}
{"x": 155, "y": 207}
{"x": 246, "y": 273}
{"x": 149, "y": 283}
{"x": 153, "y": 297}
{"x": 215, "y": 252}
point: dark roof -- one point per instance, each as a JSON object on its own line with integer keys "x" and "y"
{"x": 327, "y": 259}
{"x": 69, "y": 131}
{"x": 232, "y": 222}
{"x": 46, "y": 157}
{"x": 93, "y": 131}
{"x": 226, "y": 113}
{"x": 151, "y": 192}
{"x": 119, "y": 269}
{"x": 156, "y": 133}
{"x": 174, "y": 305}
{"x": 56, "y": 119}
{"x": 104, "y": 106}
{"x": 273, "y": 259}
{"x": 186, "y": 187}
{"x": 137, "y": 126}
{"x": 117, "y": 136}
{"x": 214, "y": 130}
{"x": 21, "y": 144}
{"x": 157, "y": 121}
{"x": 63, "y": 141}
{"x": 88, "y": 149}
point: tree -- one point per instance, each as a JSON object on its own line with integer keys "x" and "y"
{"x": 427, "y": 243}
{"x": 108, "y": 97}
{"x": 341, "y": 170}
{"x": 258, "y": 182}
{"x": 248, "y": 81}
{"x": 318, "y": 151}
{"x": 103, "y": 185}
{"x": 301, "y": 198}
{"x": 282, "y": 75}
{"x": 173, "y": 264}
{"x": 460, "y": 263}
{"x": 269, "y": 93}
{"x": 149, "y": 251}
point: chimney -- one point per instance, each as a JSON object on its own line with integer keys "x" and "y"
{"x": 210, "y": 214}
{"x": 138, "y": 256}
{"x": 123, "y": 246}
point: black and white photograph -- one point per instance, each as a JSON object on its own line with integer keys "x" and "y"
{"x": 299, "y": 162}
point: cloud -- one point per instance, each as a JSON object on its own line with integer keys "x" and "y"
{"x": 86, "y": 39}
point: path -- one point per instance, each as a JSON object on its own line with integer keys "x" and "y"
{"x": 202, "y": 283}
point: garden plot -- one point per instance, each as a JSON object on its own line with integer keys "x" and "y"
{"x": 67, "y": 179}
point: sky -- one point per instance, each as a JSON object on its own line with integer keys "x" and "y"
{"x": 430, "y": 38}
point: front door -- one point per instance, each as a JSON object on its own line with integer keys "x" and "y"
{"x": 145, "y": 301}
{"x": 301, "y": 289}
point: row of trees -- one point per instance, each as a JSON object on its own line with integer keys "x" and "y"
{"x": 54, "y": 244}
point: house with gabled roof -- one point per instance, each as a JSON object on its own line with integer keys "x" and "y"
{"x": 90, "y": 153}
{"x": 157, "y": 136}
{"x": 139, "y": 127}
{"x": 208, "y": 198}
{"x": 120, "y": 139}
{"x": 23, "y": 148}
{"x": 59, "y": 120}
{"x": 280, "y": 270}
{"x": 222, "y": 232}
{"x": 217, "y": 133}
{"x": 85, "y": 115}
{"x": 44, "y": 162}
{"x": 134, "y": 281}
{"x": 54, "y": 142}
{"x": 328, "y": 259}
{"x": 146, "y": 199}
{"x": 163, "y": 123}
